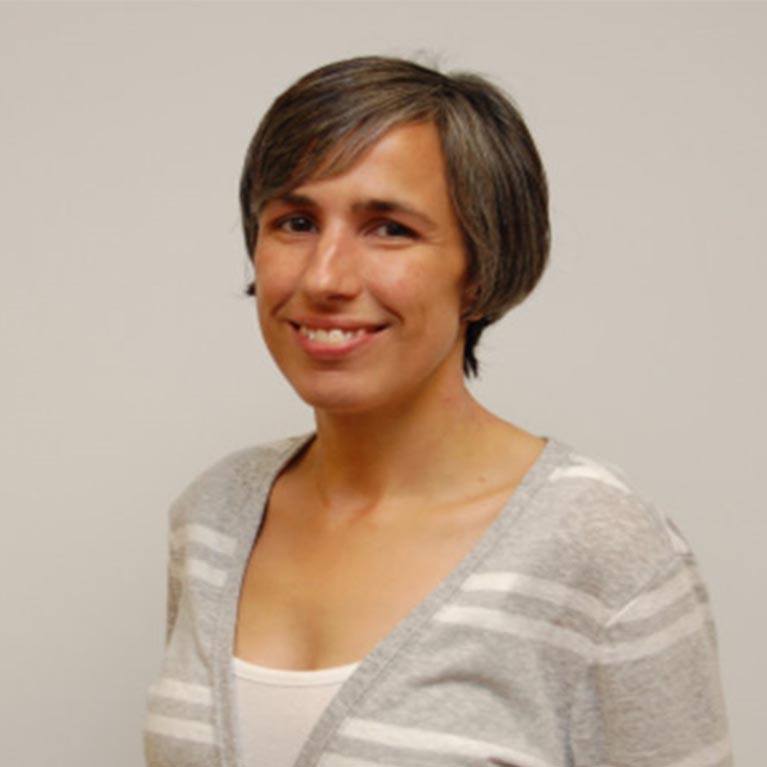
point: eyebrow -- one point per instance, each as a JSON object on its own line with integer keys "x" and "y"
{"x": 393, "y": 206}
{"x": 373, "y": 205}
{"x": 291, "y": 198}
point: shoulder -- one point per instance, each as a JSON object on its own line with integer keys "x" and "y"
{"x": 224, "y": 487}
{"x": 596, "y": 532}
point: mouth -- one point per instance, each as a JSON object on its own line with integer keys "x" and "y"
{"x": 334, "y": 340}
{"x": 330, "y": 336}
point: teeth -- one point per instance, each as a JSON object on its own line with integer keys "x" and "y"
{"x": 334, "y": 336}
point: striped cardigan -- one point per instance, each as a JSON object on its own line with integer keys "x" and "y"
{"x": 575, "y": 633}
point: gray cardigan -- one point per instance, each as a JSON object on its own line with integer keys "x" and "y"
{"x": 576, "y": 632}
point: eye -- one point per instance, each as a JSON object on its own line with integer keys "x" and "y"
{"x": 393, "y": 229}
{"x": 294, "y": 224}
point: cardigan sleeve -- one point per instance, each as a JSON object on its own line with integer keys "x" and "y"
{"x": 173, "y": 593}
{"x": 652, "y": 696}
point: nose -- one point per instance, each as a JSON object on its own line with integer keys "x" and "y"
{"x": 331, "y": 273}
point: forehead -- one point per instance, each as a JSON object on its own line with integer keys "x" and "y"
{"x": 407, "y": 159}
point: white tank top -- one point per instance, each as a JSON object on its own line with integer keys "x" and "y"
{"x": 277, "y": 709}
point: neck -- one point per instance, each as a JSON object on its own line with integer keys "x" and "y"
{"x": 412, "y": 450}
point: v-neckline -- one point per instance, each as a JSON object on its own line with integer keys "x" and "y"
{"x": 389, "y": 646}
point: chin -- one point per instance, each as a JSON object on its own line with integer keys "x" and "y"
{"x": 331, "y": 395}
{"x": 338, "y": 401}
{"x": 375, "y": 388}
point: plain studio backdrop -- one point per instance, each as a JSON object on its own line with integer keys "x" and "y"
{"x": 131, "y": 360}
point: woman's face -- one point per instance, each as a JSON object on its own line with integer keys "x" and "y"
{"x": 360, "y": 279}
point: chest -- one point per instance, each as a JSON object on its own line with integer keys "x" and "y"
{"x": 315, "y": 596}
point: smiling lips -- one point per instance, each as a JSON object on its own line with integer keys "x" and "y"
{"x": 328, "y": 339}
{"x": 332, "y": 336}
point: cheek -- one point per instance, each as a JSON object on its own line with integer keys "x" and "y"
{"x": 274, "y": 276}
{"x": 429, "y": 304}
{"x": 414, "y": 282}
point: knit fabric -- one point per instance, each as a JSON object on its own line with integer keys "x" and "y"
{"x": 575, "y": 633}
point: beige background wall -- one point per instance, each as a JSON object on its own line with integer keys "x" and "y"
{"x": 130, "y": 362}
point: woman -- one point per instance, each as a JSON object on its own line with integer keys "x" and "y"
{"x": 419, "y": 582}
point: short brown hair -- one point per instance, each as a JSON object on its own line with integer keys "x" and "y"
{"x": 494, "y": 173}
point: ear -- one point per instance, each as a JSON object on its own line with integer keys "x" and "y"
{"x": 469, "y": 298}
